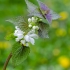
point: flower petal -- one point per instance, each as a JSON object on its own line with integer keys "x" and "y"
{"x": 31, "y": 32}
{"x": 34, "y": 36}
{"x": 15, "y": 33}
{"x": 20, "y": 36}
{"x": 27, "y": 38}
{"x": 32, "y": 41}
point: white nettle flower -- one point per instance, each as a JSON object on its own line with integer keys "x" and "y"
{"x": 20, "y": 36}
{"x": 30, "y": 37}
{"x": 25, "y": 39}
{"x": 18, "y": 33}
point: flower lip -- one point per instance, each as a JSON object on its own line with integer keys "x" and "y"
{"x": 29, "y": 39}
{"x": 31, "y": 36}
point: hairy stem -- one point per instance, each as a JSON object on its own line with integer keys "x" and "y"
{"x": 7, "y": 61}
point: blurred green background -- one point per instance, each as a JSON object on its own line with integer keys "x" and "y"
{"x": 48, "y": 54}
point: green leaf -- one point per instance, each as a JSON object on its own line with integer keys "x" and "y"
{"x": 33, "y": 9}
{"x": 44, "y": 21}
{"x": 19, "y": 53}
{"x": 43, "y": 30}
{"x": 20, "y": 22}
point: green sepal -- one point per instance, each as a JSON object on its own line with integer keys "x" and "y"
{"x": 19, "y": 53}
{"x": 44, "y": 21}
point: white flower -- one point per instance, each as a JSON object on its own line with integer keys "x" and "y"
{"x": 15, "y": 33}
{"x": 34, "y": 36}
{"x": 29, "y": 20}
{"x": 30, "y": 37}
{"x": 19, "y": 37}
{"x": 19, "y": 34}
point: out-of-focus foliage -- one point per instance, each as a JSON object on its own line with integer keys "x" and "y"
{"x": 48, "y": 54}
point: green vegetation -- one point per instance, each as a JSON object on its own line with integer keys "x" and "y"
{"x": 47, "y": 54}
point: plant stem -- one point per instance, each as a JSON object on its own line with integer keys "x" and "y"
{"x": 7, "y": 61}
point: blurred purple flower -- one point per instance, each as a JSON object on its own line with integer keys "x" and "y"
{"x": 49, "y": 14}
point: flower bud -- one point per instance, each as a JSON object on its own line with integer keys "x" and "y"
{"x": 33, "y": 19}
{"x": 29, "y": 20}
{"x": 30, "y": 25}
{"x": 34, "y": 27}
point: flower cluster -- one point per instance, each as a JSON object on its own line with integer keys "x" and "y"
{"x": 24, "y": 38}
{"x": 32, "y": 23}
